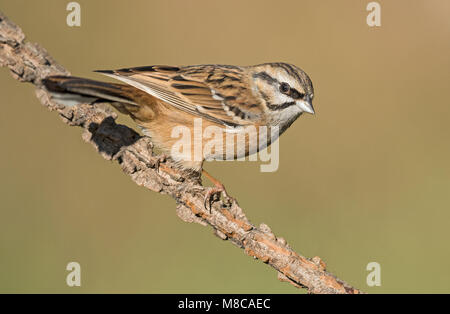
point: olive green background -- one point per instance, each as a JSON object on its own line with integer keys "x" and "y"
{"x": 365, "y": 179}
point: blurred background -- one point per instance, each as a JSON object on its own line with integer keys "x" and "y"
{"x": 364, "y": 180}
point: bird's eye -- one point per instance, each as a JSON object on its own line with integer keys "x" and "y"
{"x": 285, "y": 88}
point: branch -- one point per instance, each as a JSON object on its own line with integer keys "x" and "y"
{"x": 31, "y": 63}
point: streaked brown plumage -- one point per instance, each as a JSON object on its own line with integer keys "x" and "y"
{"x": 160, "y": 98}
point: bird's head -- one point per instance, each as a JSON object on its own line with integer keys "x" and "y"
{"x": 285, "y": 90}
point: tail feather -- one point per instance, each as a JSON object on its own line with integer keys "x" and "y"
{"x": 71, "y": 90}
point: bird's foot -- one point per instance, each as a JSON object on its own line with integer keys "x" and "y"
{"x": 162, "y": 158}
{"x": 214, "y": 193}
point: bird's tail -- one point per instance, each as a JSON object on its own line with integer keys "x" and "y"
{"x": 71, "y": 90}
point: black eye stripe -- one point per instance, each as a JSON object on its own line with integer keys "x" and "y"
{"x": 280, "y": 106}
{"x": 286, "y": 89}
{"x": 266, "y": 77}
{"x": 296, "y": 94}
{"x": 292, "y": 92}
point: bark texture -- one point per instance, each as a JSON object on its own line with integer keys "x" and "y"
{"x": 28, "y": 62}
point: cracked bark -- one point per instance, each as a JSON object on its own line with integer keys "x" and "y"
{"x": 31, "y": 63}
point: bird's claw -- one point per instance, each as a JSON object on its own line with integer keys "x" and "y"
{"x": 213, "y": 195}
{"x": 160, "y": 160}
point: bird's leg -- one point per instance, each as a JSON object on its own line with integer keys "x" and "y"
{"x": 162, "y": 158}
{"x": 218, "y": 188}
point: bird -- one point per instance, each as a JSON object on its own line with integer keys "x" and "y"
{"x": 229, "y": 98}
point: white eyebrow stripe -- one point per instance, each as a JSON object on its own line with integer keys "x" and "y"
{"x": 284, "y": 77}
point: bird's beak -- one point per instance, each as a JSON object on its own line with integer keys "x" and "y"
{"x": 306, "y": 105}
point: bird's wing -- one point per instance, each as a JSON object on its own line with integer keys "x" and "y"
{"x": 218, "y": 93}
